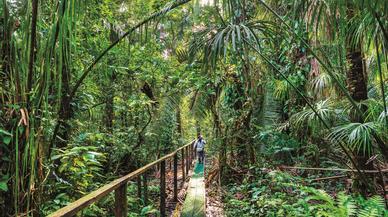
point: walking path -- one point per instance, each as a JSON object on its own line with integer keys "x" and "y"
{"x": 194, "y": 205}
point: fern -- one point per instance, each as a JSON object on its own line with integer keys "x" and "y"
{"x": 344, "y": 205}
{"x": 372, "y": 207}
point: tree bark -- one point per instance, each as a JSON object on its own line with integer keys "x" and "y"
{"x": 66, "y": 109}
{"x": 34, "y": 18}
{"x": 357, "y": 85}
{"x": 109, "y": 106}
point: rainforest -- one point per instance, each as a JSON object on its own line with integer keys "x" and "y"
{"x": 193, "y": 108}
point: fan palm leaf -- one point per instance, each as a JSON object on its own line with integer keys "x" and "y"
{"x": 358, "y": 136}
{"x": 217, "y": 41}
{"x": 324, "y": 109}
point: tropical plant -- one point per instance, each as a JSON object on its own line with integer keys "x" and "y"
{"x": 84, "y": 83}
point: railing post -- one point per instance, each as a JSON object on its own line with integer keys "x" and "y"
{"x": 138, "y": 180}
{"x": 189, "y": 149}
{"x": 187, "y": 160}
{"x": 176, "y": 177}
{"x": 145, "y": 188}
{"x": 121, "y": 206}
{"x": 163, "y": 188}
{"x": 183, "y": 165}
{"x": 194, "y": 153}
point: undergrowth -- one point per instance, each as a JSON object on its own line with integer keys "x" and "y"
{"x": 274, "y": 193}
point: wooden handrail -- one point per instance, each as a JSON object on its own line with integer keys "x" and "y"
{"x": 78, "y": 205}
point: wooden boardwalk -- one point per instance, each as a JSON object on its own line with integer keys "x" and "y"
{"x": 194, "y": 205}
{"x": 119, "y": 186}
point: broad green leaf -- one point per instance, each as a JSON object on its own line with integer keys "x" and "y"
{"x": 7, "y": 140}
{"x": 3, "y": 186}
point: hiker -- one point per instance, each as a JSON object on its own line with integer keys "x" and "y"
{"x": 199, "y": 146}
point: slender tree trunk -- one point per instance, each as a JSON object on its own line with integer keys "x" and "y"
{"x": 32, "y": 46}
{"x": 9, "y": 95}
{"x": 179, "y": 122}
{"x": 243, "y": 104}
{"x": 109, "y": 91}
{"x": 109, "y": 106}
{"x": 242, "y": 124}
{"x": 5, "y": 49}
{"x": 218, "y": 132}
{"x": 198, "y": 127}
{"x": 63, "y": 130}
{"x": 66, "y": 109}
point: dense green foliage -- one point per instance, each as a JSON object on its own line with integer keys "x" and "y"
{"x": 92, "y": 90}
{"x": 279, "y": 194}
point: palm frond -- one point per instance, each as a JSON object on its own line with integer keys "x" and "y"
{"x": 358, "y": 136}
{"x": 282, "y": 89}
{"x": 324, "y": 109}
{"x": 217, "y": 41}
{"x": 321, "y": 83}
{"x": 383, "y": 117}
{"x": 182, "y": 55}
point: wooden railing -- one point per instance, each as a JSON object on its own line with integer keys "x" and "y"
{"x": 119, "y": 186}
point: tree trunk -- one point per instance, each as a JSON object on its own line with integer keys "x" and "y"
{"x": 179, "y": 122}
{"x": 198, "y": 127}
{"x": 66, "y": 108}
{"x": 66, "y": 111}
{"x": 357, "y": 86}
{"x": 31, "y": 63}
{"x": 109, "y": 106}
{"x": 63, "y": 129}
{"x": 242, "y": 125}
{"x": 356, "y": 79}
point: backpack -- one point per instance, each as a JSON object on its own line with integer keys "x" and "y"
{"x": 200, "y": 145}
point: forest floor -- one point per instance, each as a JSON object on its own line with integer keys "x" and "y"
{"x": 214, "y": 204}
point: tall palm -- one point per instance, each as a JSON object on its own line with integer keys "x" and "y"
{"x": 227, "y": 40}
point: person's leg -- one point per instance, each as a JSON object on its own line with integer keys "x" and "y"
{"x": 201, "y": 157}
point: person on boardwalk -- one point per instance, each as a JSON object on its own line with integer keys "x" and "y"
{"x": 199, "y": 146}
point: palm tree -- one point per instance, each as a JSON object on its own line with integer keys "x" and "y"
{"x": 335, "y": 21}
{"x": 227, "y": 40}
